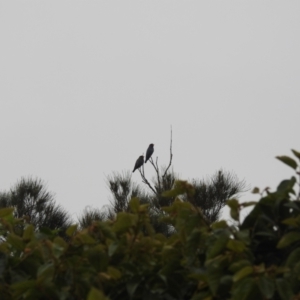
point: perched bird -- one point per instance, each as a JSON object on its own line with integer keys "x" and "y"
{"x": 149, "y": 152}
{"x": 139, "y": 162}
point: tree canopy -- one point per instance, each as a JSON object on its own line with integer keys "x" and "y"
{"x": 31, "y": 201}
{"x": 126, "y": 258}
{"x": 209, "y": 194}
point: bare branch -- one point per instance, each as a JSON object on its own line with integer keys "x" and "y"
{"x": 152, "y": 163}
{"x": 144, "y": 179}
{"x": 158, "y": 175}
{"x": 160, "y": 179}
{"x": 157, "y": 165}
{"x": 156, "y": 168}
{"x": 171, "y": 156}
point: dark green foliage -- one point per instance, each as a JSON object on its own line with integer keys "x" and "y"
{"x": 126, "y": 258}
{"x": 210, "y": 195}
{"x": 122, "y": 189}
{"x": 35, "y": 204}
{"x": 89, "y": 215}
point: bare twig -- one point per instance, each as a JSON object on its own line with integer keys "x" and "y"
{"x": 158, "y": 175}
{"x": 156, "y": 168}
{"x": 171, "y": 156}
{"x": 152, "y": 163}
{"x": 157, "y": 165}
{"x": 146, "y": 181}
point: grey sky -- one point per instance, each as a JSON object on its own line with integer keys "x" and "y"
{"x": 86, "y": 86}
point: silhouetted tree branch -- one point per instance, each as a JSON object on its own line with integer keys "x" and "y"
{"x": 32, "y": 201}
{"x": 171, "y": 156}
{"x": 144, "y": 179}
{"x": 211, "y": 194}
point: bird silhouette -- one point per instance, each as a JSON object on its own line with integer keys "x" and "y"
{"x": 139, "y": 162}
{"x": 149, "y": 152}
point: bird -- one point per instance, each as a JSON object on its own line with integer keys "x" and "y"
{"x": 149, "y": 152}
{"x": 139, "y": 162}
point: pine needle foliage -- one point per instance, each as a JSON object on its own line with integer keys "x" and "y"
{"x": 31, "y": 200}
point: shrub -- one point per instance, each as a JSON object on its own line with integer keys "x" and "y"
{"x": 124, "y": 258}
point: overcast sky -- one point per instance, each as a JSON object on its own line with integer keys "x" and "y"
{"x": 86, "y": 86}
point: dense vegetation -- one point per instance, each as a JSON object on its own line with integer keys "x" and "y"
{"x": 37, "y": 206}
{"x": 125, "y": 258}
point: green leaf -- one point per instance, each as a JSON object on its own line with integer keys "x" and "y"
{"x": 288, "y": 239}
{"x": 296, "y": 153}
{"x": 286, "y": 186}
{"x": 71, "y": 230}
{"x": 219, "y": 225}
{"x": 85, "y": 239}
{"x": 96, "y": 294}
{"x": 28, "y": 233}
{"x": 169, "y": 253}
{"x": 237, "y": 266}
{"x": 225, "y": 285}
{"x": 143, "y": 208}
{"x": 295, "y": 222}
{"x": 255, "y": 190}
{"x": 106, "y": 230}
{"x": 45, "y": 273}
{"x": 60, "y": 242}
{"x": 57, "y": 250}
{"x": 132, "y": 286}
{"x": 98, "y": 257}
{"x": 293, "y": 258}
{"x": 217, "y": 243}
{"x": 112, "y": 248}
{"x": 236, "y": 246}
{"x": 292, "y": 205}
{"x": 288, "y": 161}
{"x": 284, "y": 289}
{"x": 134, "y": 204}
{"x": 234, "y": 209}
{"x": 243, "y": 289}
{"x": 16, "y": 242}
{"x": 192, "y": 242}
{"x": 180, "y": 187}
{"x": 6, "y": 211}
{"x": 125, "y": 221}
{"x": 21, "y": 287}
{"x": 214, "y": 275}
{"x": 243, "y": 236}
{"x": 266, "y": 286}
{"x": 242, "y": 273}
{"x": 232, "y": 203}
{"x": 48, "y": 232}
{"x": 114, "y": 273}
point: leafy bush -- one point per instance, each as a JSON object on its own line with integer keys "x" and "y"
{"x": 124, "y": 258}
